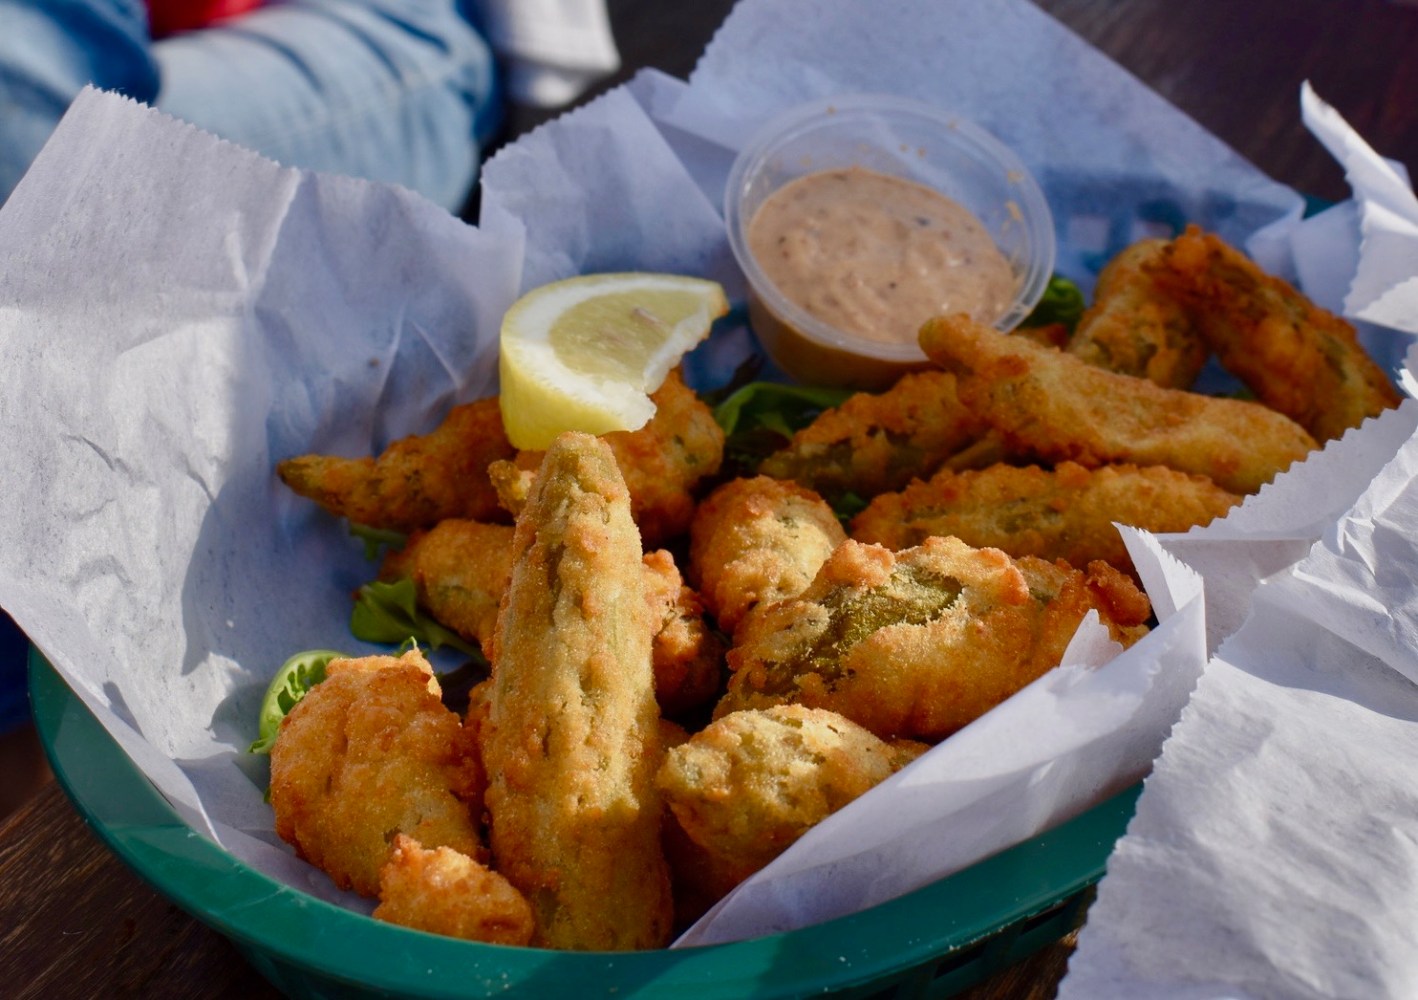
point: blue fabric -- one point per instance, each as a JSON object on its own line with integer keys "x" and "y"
{"x": 402, "y": 91}
{"x": 48, "y": 52}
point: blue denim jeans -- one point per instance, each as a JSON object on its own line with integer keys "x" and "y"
{"x": 402, "y": 91}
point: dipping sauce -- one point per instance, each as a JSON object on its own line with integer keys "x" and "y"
{"x": 876, "y": 255}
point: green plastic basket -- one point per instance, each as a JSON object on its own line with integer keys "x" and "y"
{"x": 934, "y": 942}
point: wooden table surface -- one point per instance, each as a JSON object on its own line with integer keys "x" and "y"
{"x": 74, "y": 922}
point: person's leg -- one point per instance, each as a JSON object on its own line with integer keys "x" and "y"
{"x": 49, "y": 49}
{"x": 393, "y": 90}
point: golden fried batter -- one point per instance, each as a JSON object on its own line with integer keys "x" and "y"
{"x": 873, "y": 443}
{"x": 1067, "y": 512}
{"x": 571, "y": 738}
{"x": 663, "y": 462}
{"x": 751, "y": 783}
{"x": 460, "y": 570}
{"x": 756, "y": 541}
{"x": 918, "y": 643}
{"x": 687, "y": 655}
{"x": 417, "y": 481}
{"x": 370, "y": 752}
{"x": 1296, "y": 357}
{"x": 445, "y": 892}
{"x": 1135, "y": 328}
{"x": 1056, "y": 407}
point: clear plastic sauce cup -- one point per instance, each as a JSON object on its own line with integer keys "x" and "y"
{"x": 904, "y": 139}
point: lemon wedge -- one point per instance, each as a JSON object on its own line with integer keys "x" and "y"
{"x": 585, "y": 353}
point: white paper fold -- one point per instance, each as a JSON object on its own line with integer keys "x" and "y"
{"x": 1358, "y": 258}
{"x": 1275, "y": 847}
{"x": 1077, "y": 735}
{"x": 176, "y": 314}
{"x": 1274, "y": 852}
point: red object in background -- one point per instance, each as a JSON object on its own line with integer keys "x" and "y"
{"x": 168, "y": 17}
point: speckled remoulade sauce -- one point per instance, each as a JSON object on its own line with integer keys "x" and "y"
{"x": 877, "y": 255}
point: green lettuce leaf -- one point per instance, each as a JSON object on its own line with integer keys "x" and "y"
{"x": 388, "y": 612}
{"x": 377, "y": 539}
{"x": 760, "y": 417}
{"x": 292, "y": 682}
{"x": 1062, "y": 302}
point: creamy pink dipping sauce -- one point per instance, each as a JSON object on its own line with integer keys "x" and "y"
{"x": 877, "y": 255}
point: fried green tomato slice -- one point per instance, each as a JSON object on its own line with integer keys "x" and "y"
{"x": 368, "y": 753}
{"x": 1067, "y": 512}
{"x": 758, "y": 540}
{"x": 443, "y": 891}
{"x": 1297, "y": 358}
{"x": 687, "y": 655}
{"x": 417, "y": 481}
{"x": 919, "y": 643}
{"x": 751, "y": 783}
{"x": 1056, "y": 407}
{"x": 459, "y": 569}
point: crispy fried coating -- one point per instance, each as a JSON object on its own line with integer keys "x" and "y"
{"x": 1067, "y": 512}
{"x": 417, "y": 481}
{"x": 370, "y": 752}
{"x": 1135, "y": 328}
{"x": 571, "y": 739}
{"x": 445, "y": 892}
{"x": 1056, "y": 407}
{"x": 1049, "y": 334}
{"x": 918, "y": 643}
{"x": 751, "y": 783}
{"x": 1297, "y": 358}
{"x": 876, "y": 442}
{"x": 663, "y": 462}
{"x": 687, "y": 655}
{"x": 460, "y": 570}
{"x": 756, "y": 541}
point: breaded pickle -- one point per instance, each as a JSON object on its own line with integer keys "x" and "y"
{"x": 571, "y": 740}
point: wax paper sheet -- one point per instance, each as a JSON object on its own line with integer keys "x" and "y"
{"x": 177, "y": 314}
{"x": 1273, "y": 850}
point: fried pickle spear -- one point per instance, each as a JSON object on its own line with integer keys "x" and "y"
{"x": 417, "y": 481}
{"x": 370, "y": 752}
{"x": 918, "y": 643}
{"x": 748, "y": 785}
{"x": 663, "y": 462}
{"x": 1067, "y": 512}
{"x": 876, "y": 442}
{"x": 571, "y": 737}
{"x": 443, "y": 891}
{"x": 756, "y": 541}
{"x": 1135, "y": 328}
{"x": 1297, "y": 358}
{"x": 687, "y": 655}
{"x": 461, "y": 569}
{"x": 1056, "y": 407}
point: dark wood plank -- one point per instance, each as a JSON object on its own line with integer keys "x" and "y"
{"x": 1237, "y": 68}
{"x": 75, "y": 922}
